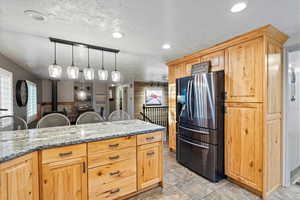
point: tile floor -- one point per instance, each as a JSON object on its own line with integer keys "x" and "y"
{"x": 182, "y": 184}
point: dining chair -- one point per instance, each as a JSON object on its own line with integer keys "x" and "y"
{"x": 12, "y": 123}
{"x": 118, "y": 115}
{"x": 89, "y": 117}
{"x": 53, "y": 120}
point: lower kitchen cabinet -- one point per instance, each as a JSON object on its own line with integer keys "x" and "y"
{"x": 243, "y": 143}
{"x": 19, "y": 178}
{"x": 66, "y": 179}
{"x": 149, "y": 164}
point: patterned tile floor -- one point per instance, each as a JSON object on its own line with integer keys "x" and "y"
{"x": 182, "y": 184}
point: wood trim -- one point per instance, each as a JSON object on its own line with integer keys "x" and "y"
{"x": 264, "y": 30}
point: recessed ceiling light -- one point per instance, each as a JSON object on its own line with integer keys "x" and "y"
{"x": 166, "y": 46}
{"x": 35, "y": 15}
{"x": 117, "y": 35}
{"x": 238, "y": 7}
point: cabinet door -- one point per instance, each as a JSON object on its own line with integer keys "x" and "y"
{"x": 172, "y": 116}
{"x": 149, "y": 164}
{"x": 65, "y": 180}
{"x": 19, "y": 178}
{"x": 171, "y": 75}
{"x": 243, "y": 143}
{"x": 216, "y": 59}
{"x": 243, "y": 73}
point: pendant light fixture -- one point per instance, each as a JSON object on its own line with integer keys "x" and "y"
{"x": 72, "y": 71}
{"x": 55, "y": 70}
{"x": 115, "y": 75}
{"x": 102, "y": 73}
{"x": 88, "y": 72}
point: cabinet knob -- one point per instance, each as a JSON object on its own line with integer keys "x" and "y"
{"x": 115, "y": 191}
{"x": 65, "y": 153}
{"x": 113, "y": 145}
{"x": 114, "y": 173}
{"x": 150, "y": 138}
{"x": 150, "y": 153}
{"x": 114, "y": 157}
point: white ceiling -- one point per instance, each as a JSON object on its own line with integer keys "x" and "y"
{"x": 188, "y": 26}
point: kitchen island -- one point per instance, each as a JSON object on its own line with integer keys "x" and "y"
{"x": 109, "y": 160}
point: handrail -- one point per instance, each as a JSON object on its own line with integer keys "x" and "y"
{"x": 145, "y": 117}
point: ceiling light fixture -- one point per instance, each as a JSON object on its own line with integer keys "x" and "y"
{"x": 102, "y": 73}
{"x": 35, "y": 15}
{"x": 238, "y": 7}
{"x": 55, "y": 70}
{"x": 166, "y": 46}
{"x": 117, "y": 35}
{"x": 88, "y": 72}
{"x": 72, "y": 71}
{"x": 115, "y": 75}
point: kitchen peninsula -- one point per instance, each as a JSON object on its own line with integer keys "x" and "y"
{"x": 108, "y": 160}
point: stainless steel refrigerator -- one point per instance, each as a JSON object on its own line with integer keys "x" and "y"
{"x": 200, "y": 124}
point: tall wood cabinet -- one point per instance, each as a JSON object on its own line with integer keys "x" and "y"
{"x": 19, "y": 178}
{"x": 253, "y": 92}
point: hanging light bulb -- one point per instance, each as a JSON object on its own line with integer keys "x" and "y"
{"x": 102, "y": 73}
{"x": 88, "y": 72}
{"x": 72, "y": 71}
{"x": 115, "y": 75}
{"x": 54, "y": 70}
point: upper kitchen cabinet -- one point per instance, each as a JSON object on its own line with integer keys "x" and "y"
{"x": 244, "y": 72}
{"x": 217, "y": 60}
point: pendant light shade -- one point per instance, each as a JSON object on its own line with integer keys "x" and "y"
{"x": 55, "y": 70}
{"x": 102, "y": 73}
{"x": 72, "y": 71}
{"x": 88, "y": 72}
{"x": 115, "y": 75}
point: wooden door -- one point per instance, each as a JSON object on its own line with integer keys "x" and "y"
{"x": 243, "y": 73}
{"x": 19, "y": 178}
{"x": 149, "y": 164}
{"x": 65, "y": 179}
{"x": 216, "y": 60}
{"x": 172, "y": 117}
{"x": 243, "y": 143}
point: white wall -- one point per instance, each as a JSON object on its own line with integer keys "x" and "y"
{"x": 18, "y": 74}
{"x": 293, "y": 113}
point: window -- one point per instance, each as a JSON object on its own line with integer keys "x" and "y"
{"x": 6, "y": 96}
{"x": 32, "y": 102}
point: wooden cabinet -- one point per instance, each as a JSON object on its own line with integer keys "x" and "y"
{"x": 172, "y": 116}
{"x": 243, "y": 143}
{"x": 66, "y": 179}
{"x": 244, "y": 72}
{"x": 149, "y": 164}
{"x": 217, "y": 60}
{"x": 189, "y": 64}
{"x": 19, "y": 178}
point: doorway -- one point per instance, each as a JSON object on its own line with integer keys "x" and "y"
{"x": 292, "y": 116}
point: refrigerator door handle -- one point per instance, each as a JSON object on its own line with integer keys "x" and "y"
{"x": 194, "y": 144}
{"x": 187, "y": 102}
{"x": 197, "y": 131}
{"x": 190, "y": 99}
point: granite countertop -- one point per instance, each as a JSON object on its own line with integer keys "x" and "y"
{"x": 17, "y": 143}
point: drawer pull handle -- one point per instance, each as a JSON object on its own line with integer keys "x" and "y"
{"x": 150, "y": 153}
{"x": 115, "y": 191}
{"x": 114, "y": 173}
{"x": 66, "y": 153}
{"x": 150, "y": 138}
{"x": 114, "y": 157}
{"x": 113, "y": 145}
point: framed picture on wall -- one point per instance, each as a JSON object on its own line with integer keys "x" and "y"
{"x": 153, "y": 97}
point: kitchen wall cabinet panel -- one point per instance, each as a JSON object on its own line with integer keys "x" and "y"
{"x": 243, "y": 143}
{"x": 244, "y": 79}
{"x": 172, "y": 117}
{"x": 19, "y": 178}
{"x": 65, "y": 179}
{"x": 217, "y": 60}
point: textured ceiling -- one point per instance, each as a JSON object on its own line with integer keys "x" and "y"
{"x": 187, "y": 25}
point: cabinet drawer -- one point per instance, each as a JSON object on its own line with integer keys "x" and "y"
{"x": 98, "y": 159}
{"x": 111, "y": 145}
{"x": 112, "y": 175}
{"x": 62, "y": 153}
{"x": 149, "y": 138}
